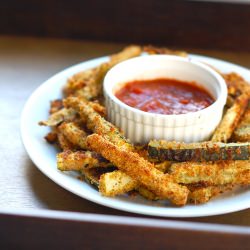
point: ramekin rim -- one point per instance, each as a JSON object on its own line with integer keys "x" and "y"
{"x": 221, "y": 99}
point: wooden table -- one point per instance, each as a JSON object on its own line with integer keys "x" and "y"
{"x": 25, "y": 63}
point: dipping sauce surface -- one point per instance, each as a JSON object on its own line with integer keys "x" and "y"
{"x": 165, "y": 96}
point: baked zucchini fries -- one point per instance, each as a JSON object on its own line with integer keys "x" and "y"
{"x": 162, "y": 170}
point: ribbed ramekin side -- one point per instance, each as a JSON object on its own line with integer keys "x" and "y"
{"x": 141, "y": 128}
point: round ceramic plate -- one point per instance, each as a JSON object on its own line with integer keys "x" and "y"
{"x": 44, "y": 155}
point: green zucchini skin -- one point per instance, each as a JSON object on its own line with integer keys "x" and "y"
{"x": 93, "y": 175}
{"x": 205, "y": 151}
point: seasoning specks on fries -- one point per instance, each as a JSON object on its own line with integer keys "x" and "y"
{"x": 180, "y": 172}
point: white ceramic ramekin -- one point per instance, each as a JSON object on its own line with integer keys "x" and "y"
{"x": 140, "y": 126}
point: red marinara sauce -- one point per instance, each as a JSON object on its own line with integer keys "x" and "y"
{"x": 165, "y": 96}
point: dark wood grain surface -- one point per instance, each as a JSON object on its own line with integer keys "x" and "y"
{"x": 25, "y": 63}
{"x": 175, "y": 23}
{"x": 64, "y": 230}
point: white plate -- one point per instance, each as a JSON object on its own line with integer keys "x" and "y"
{"x": 44, "y": 155}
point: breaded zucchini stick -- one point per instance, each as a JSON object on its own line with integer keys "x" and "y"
{"x": 93, "y": 175}
{"x": 109, "y": 186}
{"x": 74, "y": 134}
{"x": 70, "y": 114}
{"x": 163, "y": 166}
{"x": 165, "y": 51}
{"x": 209, "y": 173}
{"x": 55, "y": 106}
{"x": 122, "y": 183}
{"x": 229, "y": 103}
{"x": 88, "y": 83}
{"x": 203, "y": 151}
{"x": 144, "y": 192}
{"x": 115, "y": 183}
{"x": 126, "y": 53}
{"x": 51, "y": 137}
{"x": 79, "y": 160}
{"x": 101, "y": 110}
{"x": 59, "y": 116}
{"x": 231, "y": 119}
{"x": 96, "y": 123}
{"x": 140, "y": 170}
{"x": 63, "y": 142}
{"x": 236, "y": 84}
{"x": 242, "y": 131}
{"x": 204, "y": 194}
